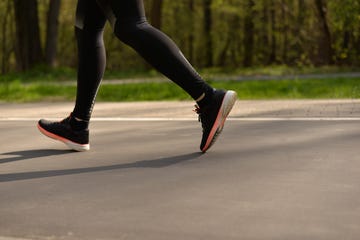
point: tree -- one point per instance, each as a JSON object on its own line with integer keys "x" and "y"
{"x": 249, "y": 34}
{"x": 272, "y": 58}
{"x": 224, "y": 33}
{"x": 5, "y": 49}
{"x": 28, "y": 46}
{"x": 191, "y": 6}
{"x": 264, "y": 34}
{"x": 285, "y": 31}
{"x": 325, "y": 48}
{"x": 52, "y": 32}
{"x": 208, "y": 48}
{"x": 156, "y": 13}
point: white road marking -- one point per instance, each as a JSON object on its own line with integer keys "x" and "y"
{"x": 154, "y": 119}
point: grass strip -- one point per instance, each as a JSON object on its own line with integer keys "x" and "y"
{"x": 335, "y": 88}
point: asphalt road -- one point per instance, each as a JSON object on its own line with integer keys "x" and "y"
{"x": 284, "y": 178}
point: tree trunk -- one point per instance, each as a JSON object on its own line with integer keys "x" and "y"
{"x": 191, "y": 37}
{"x": 28, "y": 47}
{"x": 301, "y": 14}
{"x": 156, "y": 13}
{"x": 5, "y": 50}
{"x": 325, "y": 48}
{"x": 249, "y": 34}
{"x": 299, "y": 28}
{"x": 264, "y": 33}
{"x": 285, "y": 31}
{"x": 207, "y": 33}
{"x": 52, "y": 32}
{"x": 272, "y": 58}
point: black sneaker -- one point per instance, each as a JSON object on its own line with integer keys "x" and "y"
{"x": 213, "y": 116}
{"x": 62, "y": 131}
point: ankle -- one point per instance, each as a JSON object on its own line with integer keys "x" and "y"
{"x": 205, "y": 99}
{"x": 78, "y": 124}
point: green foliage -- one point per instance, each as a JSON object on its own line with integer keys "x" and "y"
{"x": 285, "y": 32}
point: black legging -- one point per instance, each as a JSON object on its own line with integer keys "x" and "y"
{"x": 130, "y": 26}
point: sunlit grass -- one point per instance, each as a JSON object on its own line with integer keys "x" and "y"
{"x": 334, "y": 88}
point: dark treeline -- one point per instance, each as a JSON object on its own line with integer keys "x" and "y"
{"x": 211, "y": 33}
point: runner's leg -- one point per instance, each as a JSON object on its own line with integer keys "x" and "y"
{"x": 130, "y": 26}
{"x": 89, "y": 27}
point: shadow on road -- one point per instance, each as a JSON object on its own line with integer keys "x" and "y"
{"x": 29, "y": 154}
{"x": 154, "y": 163}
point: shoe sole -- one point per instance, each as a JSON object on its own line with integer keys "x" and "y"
{"x": 225, "y": 108}
{"x": 73, "y": 145}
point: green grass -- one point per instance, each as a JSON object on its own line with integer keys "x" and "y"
{"x": 16, "y": 91}
{"x": 337, "y": 88}
{"x": 44, "y": 84}
{"x": 61, "y": 74}
{"x": 278, "y": 70}
{"x": 40, "y": 74}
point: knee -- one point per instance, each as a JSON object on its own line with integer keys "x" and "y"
{"x": 130, "y": 31}
{"x": 93, "y": 38}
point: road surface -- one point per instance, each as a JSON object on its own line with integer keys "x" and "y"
{"x": 280, "y": 170}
